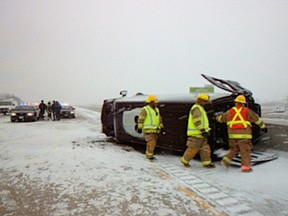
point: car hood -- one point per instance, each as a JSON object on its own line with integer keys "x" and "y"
{"x": 24, "y": 111}
{"x": 66, "y": 110}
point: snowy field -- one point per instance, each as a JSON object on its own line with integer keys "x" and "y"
{"x": 69, "y": 167}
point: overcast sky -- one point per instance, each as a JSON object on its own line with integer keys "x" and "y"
{"x": 85, "y": 51}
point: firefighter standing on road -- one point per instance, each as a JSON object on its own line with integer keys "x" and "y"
{"x": 239, "y": 119}
{"x": 198, "y": 132}
{"x": 150, "y": 122}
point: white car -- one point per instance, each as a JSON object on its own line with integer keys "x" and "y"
{"x": 7, "y": 105}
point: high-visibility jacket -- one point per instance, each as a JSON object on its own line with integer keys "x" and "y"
{"x": 197, "y": 122}
{"x": 239, "y": 121}
{"x": 238, "y": 118}
{"x": 152, "y": 121}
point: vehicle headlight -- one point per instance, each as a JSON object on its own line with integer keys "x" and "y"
{"x": 13, "y": 114}
{"x": 72, "y": 112}
{"x": 30, "y": 114}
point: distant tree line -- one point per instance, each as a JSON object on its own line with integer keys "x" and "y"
{"x": 10, "y": 96}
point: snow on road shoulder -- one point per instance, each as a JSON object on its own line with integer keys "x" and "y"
{"x": 69, "y": 167}
{"x": 275, "y": 121}
{"x": 88, "y": 113}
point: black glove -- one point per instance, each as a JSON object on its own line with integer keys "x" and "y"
{"x": 265, "y": 130}
{"x": 205, "y": 134}
{"x": 137, "y": 129}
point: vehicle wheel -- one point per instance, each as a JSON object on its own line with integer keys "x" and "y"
{"x": 4, "y": 113}
{"x": 12, "y": 120}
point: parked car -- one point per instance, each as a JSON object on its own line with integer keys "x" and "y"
{"x": 7, "y": 105}
{"x": 119, "y": 116}
{"x": 24, "y": 113}
{"x": 67, "y": 111}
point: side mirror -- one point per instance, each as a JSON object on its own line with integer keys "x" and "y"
{"x": 123, "y": 93}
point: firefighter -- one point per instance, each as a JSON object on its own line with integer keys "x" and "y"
{"x": 150, "y": 123}
{"x": 198, "y": 132}
{"x": 239, "y": 119}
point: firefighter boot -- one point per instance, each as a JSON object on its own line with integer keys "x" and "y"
{"x": 225, "y": 162}
{"x": 150, "y": 156}
{"x": 246, "y": 169}
{"x": 185, "y": 162}
{"x": 188, "y": 155}
{"x": 210, "y": 165}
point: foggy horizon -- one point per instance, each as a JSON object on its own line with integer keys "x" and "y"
{"x": 83, "y": 52}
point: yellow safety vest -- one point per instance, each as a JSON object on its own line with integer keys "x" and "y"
{"x": 192, "y": 129}
{"x": 152, "y": 121}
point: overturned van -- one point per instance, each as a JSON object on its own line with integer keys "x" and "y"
{"x": 119, "y": 116}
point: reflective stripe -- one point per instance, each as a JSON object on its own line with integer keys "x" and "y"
{"x": 226, "y": 159}
{"x": 184, "y": 160}
{"x": 197, "y": 119}
{"x": 197, "y": 135}
{"x": 258, "y": 122}
{"x": 219, "y": 118}
{"x": 149, "y": 155}
{"x": 140, "y": 126}
{"x": 240, "y": 136}
{"x": 204, "y": 163}
{"x": 141, "y": 117}
{"x": 239, "y": 115}
{"x": 246, "y": 167}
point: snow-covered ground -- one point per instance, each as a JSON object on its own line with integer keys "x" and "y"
{"x": 69, "y": 167}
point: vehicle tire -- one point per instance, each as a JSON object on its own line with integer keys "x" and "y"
{"x": 12, "y": 120}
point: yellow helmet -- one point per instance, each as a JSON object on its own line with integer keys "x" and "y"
{"x": 151, "y": 99}
{"x": 204, "y": 97}
{"x": 240, "y": 99}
